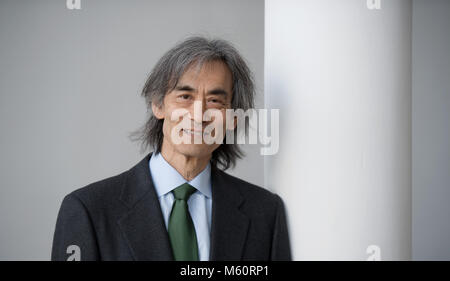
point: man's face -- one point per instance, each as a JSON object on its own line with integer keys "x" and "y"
{"x": 208, "y": 87}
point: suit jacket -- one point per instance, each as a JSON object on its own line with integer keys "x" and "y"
{"x": 119, "y": 218}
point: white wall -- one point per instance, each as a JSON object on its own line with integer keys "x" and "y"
{"x": 340, "y": 74}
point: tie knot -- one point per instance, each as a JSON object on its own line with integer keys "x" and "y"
{"x": 183, "y": 192}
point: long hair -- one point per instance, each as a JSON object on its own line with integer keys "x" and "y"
{"x": 165, "y": 75}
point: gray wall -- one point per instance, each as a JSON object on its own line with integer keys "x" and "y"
{"x": 431, "y": 130}
{"x": 69, "y": 97}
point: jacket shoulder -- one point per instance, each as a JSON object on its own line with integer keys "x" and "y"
{"x": 252, "y": 192}
{"x": 101, "y": 192}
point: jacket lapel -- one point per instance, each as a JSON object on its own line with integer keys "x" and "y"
{"x": 143, "y": 226}
{"x": 229, "y": 225}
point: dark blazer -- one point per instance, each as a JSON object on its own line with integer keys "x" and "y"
{"x": 119, "y": 218}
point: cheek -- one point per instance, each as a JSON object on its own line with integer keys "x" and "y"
{"x": 168, "y": 124}
{"x": 181, "y": 120}
{"x": 220, "y": 127}
{"x": 166, "y": 129}
{"x": 218, "y": 120}
{"x": 224, "y": 122}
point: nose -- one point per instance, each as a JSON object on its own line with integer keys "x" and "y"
{"x": 197, "y": 111}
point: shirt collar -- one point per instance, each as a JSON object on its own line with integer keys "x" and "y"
{"x": 166, "y": 178}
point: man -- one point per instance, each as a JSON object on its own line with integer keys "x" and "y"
{"x": 178, "y": 203}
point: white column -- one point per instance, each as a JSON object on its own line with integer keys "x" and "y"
{"x": 340, "y": 73}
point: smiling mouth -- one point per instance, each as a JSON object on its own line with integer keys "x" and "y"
{"x": 196, "y": 133}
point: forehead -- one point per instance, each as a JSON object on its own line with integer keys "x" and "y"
{"x": 210, "y": 73}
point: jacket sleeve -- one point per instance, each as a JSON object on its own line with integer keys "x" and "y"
{"x": 281, "y": 249}
{"x": 74, "y": 238}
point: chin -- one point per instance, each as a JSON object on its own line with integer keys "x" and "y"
{"x": 195, "y": 150}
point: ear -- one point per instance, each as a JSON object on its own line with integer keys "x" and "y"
{"x": 158, "y": 110}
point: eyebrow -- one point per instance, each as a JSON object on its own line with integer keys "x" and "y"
{"x": 216, "y": 91}
{"x": 184, "y": 88}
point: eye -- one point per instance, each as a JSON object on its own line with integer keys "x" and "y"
{"x": 185, "y": 96}
{"x": 216, "y": 101}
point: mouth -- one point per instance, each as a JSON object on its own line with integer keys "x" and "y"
{"x": 195, "y": 133}
{"x": 192, "y": 132}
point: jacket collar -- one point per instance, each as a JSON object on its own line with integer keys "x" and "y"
{"x": 143, "y": 225}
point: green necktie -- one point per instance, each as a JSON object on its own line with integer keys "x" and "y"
{"x": 181, "y": 228}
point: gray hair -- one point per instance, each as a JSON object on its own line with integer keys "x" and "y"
{"x": 164, "y": 78}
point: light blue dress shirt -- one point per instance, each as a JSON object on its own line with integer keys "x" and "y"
{"x": 166, "y": 178}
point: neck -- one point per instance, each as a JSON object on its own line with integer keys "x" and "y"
{"x": 188, "y": 166}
